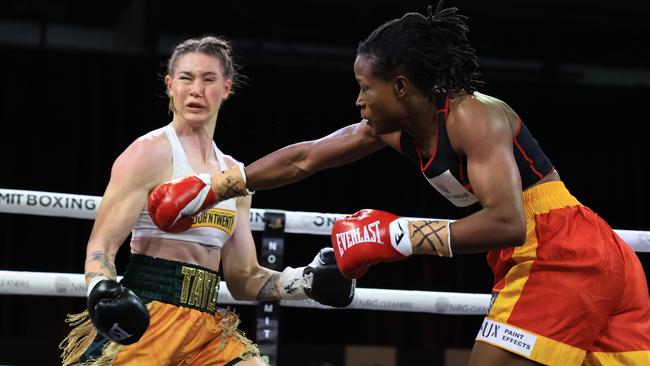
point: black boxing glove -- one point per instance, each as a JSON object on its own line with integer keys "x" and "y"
{"x": 116, "y": 312}
{"x": 328, "y": 286}
{"x": 320, "y": 280}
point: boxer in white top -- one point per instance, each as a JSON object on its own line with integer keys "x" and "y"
{"x": 173, "y": 274}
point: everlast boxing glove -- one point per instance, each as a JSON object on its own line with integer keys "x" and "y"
{"x": 117, "y": 313}
{"x": 373, "y": 236}
{"x": 320, "y": 280}
{"x": 171, "y": 204}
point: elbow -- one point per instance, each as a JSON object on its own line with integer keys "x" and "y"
{"x": 509, "y": 228}
{"x": 237, "y": 292}
{"x": 515, "y": 233}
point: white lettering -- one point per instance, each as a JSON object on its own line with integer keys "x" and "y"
{"x": 352, "y": 237}
{"x": 117, "y": 334}
{"x": 506, "y": 336}
{"x": 273, "y": 245}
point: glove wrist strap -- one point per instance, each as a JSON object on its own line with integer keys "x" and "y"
{"x": 293, "y": 284}
{"x": 93, "y": 283}
{"x": 230, "y": 183}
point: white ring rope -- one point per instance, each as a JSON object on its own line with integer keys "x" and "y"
{"x": 297, "y": 222}
{"x": 72, "y": 285}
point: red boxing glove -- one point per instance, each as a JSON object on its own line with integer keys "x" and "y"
{"x": 369, "y": 237}
{"x": 172, "y": 204}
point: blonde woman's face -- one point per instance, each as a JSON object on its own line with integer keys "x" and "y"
{"x": 197, "y": 87}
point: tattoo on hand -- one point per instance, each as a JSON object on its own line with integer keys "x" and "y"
{"x": 104, "y": 262}
{"x": 270, "y": 289}
{"x": 426, "y": 232}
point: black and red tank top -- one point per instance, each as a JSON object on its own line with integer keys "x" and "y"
{"x": 446, "y": 171}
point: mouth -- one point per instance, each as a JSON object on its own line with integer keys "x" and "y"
{"x": 194, "y": 106}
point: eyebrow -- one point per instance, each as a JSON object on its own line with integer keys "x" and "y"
{"x": 205, "y": 73}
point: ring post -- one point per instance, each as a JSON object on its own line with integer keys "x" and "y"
{"x": 272, "y": 257}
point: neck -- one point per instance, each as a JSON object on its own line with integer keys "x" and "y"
{"x": 422, "y": 124}
{"x": 198, "y": 135}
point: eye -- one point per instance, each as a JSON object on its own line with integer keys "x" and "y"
{"x": 184, "y": 77}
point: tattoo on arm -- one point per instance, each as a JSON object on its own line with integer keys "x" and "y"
{"x": 90, "y": 275}
{"x": 104, "y": 262}
{"x": 270, "y": 289}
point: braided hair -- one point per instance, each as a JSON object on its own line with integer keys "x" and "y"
{"x": 433, "y": 51}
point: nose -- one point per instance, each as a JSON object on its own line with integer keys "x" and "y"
{"x": 360, "y": 103}
{"x": 197, "y": 88}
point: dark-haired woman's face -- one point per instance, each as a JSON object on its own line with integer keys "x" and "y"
{"x": 377, "y": 98}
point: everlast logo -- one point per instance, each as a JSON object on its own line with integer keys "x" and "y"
{"x": 200, "y": 288}
{"x": 366, "y": 234}
{"x": 217, "y": 218}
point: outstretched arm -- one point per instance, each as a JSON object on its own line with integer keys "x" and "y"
{"x": 298, "y": 161}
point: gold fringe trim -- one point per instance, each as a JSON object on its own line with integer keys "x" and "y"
{"x": 108, "y": 355}
{"x": 79, "y": 339}
{"x": 229, "y": 324}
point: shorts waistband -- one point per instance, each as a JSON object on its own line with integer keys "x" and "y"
{"x": 545, "y": 197}
{"x": 172, "y": 282}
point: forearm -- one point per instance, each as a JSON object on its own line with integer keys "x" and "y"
{"x": 99, "y": 262}
{"x": 486, "y": 230}
{"x": 278, "y": 168}
{"x": 269, "y": 285}
{"x": 290, "y": 284}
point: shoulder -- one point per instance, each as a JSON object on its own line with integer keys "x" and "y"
{"x": 476, "y": 117}
{"x": 149, "y": 155}
{"x": 230, "y": 161}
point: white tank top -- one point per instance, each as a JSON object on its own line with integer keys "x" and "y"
{"x": 212, "y": 227}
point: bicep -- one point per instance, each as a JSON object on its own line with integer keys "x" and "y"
{"x": 117, "y": 213}
{"x": 491, "y": 166}
{"x": 494, "y": 176}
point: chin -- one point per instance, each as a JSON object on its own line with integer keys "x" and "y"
{"x": 381, "y": 129}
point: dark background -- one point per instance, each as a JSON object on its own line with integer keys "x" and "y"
{"x": 80, "y": 80}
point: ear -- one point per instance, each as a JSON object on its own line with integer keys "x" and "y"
{"x": 168, "y": 84}
{"x": 401, "y": 86}
{"x": 227, "y": 86}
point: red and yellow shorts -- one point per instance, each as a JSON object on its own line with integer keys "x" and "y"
{"x": 573, "y": 294}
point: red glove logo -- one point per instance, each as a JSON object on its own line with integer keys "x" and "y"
{"x": 361, "y": 240}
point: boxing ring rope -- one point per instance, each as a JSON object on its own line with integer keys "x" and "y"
{"x": 73, "y": 285}
{"x": 297, "y": 222}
